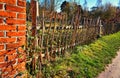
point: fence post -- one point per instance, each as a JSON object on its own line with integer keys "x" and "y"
{"x": 34, "y": 21}
{"x": 33, "y": 12}
{"x": 101, "y": 28}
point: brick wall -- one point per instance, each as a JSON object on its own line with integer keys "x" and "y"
{"x": 12, "y": 37}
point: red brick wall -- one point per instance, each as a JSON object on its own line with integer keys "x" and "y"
{"x": 12, "y": 37}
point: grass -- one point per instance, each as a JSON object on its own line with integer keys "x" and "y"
{"x": 85, "y": 61}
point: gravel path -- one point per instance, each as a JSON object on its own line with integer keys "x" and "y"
{"x": 113, "y": 70}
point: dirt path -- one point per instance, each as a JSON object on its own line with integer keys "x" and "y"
{"x": 113, "y": 70}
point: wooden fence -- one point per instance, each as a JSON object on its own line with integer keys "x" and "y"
{"x": 50, "y": 34}
{"x": 53, "y": 33}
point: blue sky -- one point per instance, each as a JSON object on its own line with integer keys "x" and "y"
{"x": 91, "y": 3}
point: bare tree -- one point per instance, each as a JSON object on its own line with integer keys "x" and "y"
{"x": 99, "y": 3}
{"x": 50, "y": 5}
{"x": 119, "y": 4}
{"x": 57, "y": 4}
{"x": 85, "y": 5}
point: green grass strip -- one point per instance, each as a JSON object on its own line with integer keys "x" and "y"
{"x": 86, "y": 61}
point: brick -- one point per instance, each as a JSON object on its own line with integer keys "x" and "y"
{"x": 1, "y": 20}
{"x": 15, "y": 67}
{"x": 12, "y": 57}
{"x": 15, "y": 8}
{"x": 8, "y": 52}
{"x": 3, "y": 65}
{"x": 21, "y": 66}
{"x": 1, "y": 34}
{"x": 14, "y": 21}
{"x": 21, "y": 38}
{"x": 7, "y": 69}
{"x": 2, "y": 59}
{"x": 21, "y": 16}
{"x": 7, "y": 14}
{"x": 11, "y": 52}
{"x": 20, "y": 50}
{"x": 12, "y": 74}
{"x": 7, "y": 40}
{"x": 2, "y": 53}
{"x": 1, "y": 47}
{"x": 21, "y": 3}
{"x": 16, "y": 33}
{"x": 7, "y": 66}
{"x": 21, "y": 28}
{"x": 12, "y": 2}
{"x": 20, "y": 60}
{"x": 1, "y": 6}
{"x": 7, "y": 27}
{"x": 11, "y": 62}
{"x": 13, "y": 45}
{"x": 6, "y": 75}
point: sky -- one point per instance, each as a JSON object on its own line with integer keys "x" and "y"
{"x": 91, "y": 3}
